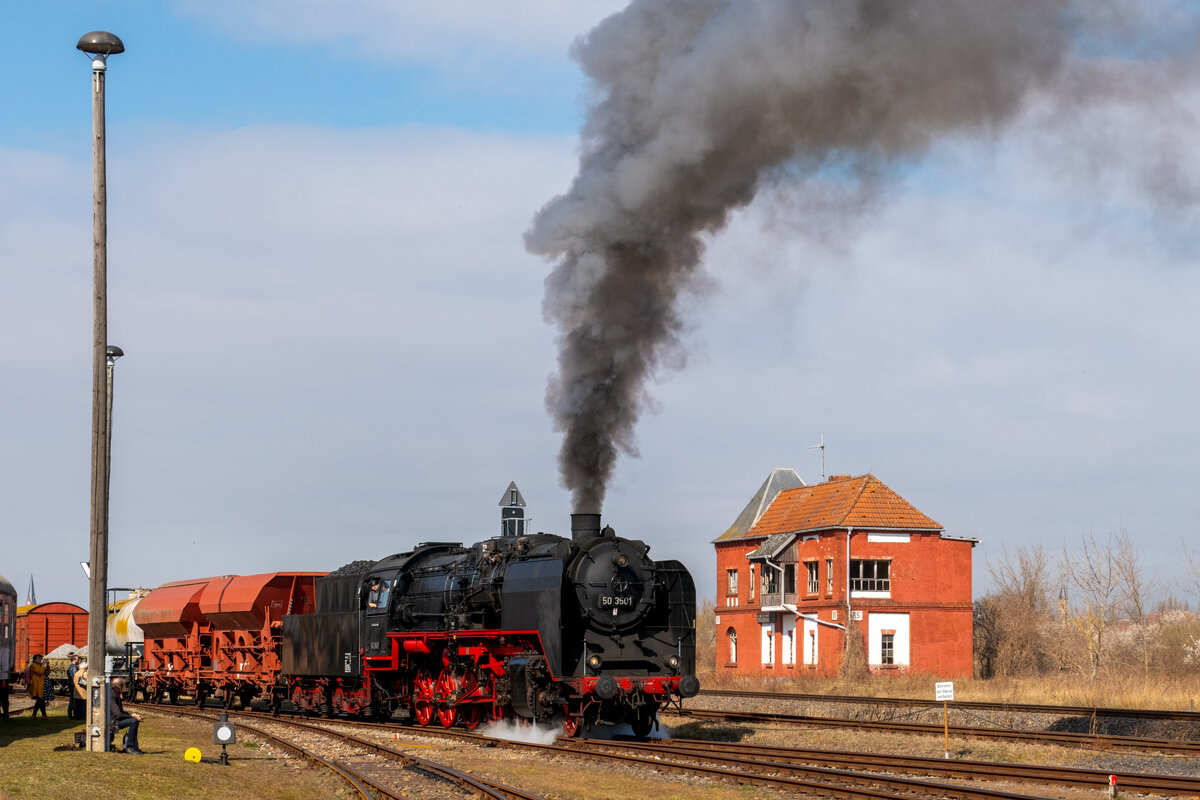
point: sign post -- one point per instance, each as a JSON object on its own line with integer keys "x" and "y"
{"x": 944, "y": 692}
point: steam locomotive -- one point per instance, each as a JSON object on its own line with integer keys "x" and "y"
{"x": 526, "y": 627}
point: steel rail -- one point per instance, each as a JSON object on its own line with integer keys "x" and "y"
{"x": 1041, "y": 737}
{"x": 482, "y": 786}
{"x": 821, "y": 775}
{"x": 359, "y": 782}
{"x": 1074, "y": 711}
{"x": 858, "y": 786}
{"x": 974, "y": 770}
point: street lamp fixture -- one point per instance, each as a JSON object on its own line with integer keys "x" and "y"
{"x": 100, "y": 44}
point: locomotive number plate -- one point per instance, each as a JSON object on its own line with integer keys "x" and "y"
{"x": 614, "y": 601}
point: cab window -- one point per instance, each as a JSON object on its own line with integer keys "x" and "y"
{"x": 377, "y": 595}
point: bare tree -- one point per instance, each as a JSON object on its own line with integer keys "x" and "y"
{"x": 1135, "y": 591}
{"x": 706, "y": 637}
{"x": 1191, "y": 570}
{"x": 1010, "y": 620}
{"x": 1093, "y": 573}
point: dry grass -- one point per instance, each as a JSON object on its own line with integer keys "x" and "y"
{"x": 38, "y": 761}
{"x": 1112, "y": 691}
{"x": 1120, "y": 687}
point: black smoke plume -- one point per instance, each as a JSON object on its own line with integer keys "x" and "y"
{"x": 699, "y": 104}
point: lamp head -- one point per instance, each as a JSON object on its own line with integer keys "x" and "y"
{"x": 100, "y": 44}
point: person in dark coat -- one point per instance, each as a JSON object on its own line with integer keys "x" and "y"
{"x": 123, "y": 719}
{"x": 74, "y": 704}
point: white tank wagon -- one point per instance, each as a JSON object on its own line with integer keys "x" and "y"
{"x": 124, "y": 641}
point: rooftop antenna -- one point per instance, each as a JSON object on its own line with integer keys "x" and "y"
{"x": 820, "y": 447}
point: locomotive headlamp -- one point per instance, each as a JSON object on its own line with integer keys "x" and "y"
{"x": 595, "y": 661}
{"x": 673, "y": 662}
{"x": 621, "y": 560}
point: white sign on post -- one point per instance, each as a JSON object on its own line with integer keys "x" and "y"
{"x": 945, "y": 691}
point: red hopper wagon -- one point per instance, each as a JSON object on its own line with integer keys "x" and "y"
{"x": 218, "y": 635}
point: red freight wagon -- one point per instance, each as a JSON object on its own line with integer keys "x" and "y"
{"x": 43, "y": 627}
{"x": 218, "y": 634}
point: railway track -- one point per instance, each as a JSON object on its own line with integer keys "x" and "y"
{"x": 1028, "y": 708}
{"x": 368, "y": 787}
{"x": 736, "y": 770}
{"x": 808, "y": 771}
{"x": 777, "y": 757}
{"x": 1088, "y": 740}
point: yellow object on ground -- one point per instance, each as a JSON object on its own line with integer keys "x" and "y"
{"x": 192, "y": 754}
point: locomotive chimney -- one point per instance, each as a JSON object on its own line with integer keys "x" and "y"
{"x": 584, "y": 526}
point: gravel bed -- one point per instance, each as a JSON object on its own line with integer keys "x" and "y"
{"x": 403, "y": 779}
{"x": 915, "y": 744}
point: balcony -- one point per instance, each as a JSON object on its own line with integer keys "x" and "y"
{"x": 772, "y": 601}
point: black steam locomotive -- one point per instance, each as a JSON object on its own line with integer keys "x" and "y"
{"x": 527, "y": 627}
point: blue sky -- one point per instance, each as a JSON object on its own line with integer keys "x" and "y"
{"x": 334, "y": 339}
{"x": 183, "y": 63}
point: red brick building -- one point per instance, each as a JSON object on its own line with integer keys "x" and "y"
{"x": 801, "y": 560}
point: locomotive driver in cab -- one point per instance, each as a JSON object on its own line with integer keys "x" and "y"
{"x": 378, "y": 596}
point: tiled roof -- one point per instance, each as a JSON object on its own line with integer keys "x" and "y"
{"x": 840, "y": 502}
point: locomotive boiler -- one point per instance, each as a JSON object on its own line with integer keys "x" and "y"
{"x": 530, "y": 627}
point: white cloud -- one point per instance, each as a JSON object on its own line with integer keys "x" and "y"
{"x": 335, "y": 344}
{"x": 329, "y": 337}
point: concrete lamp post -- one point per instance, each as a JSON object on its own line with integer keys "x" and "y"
{"x": 99, "y": 45}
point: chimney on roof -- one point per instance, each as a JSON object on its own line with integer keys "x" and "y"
{"x": 833, "y": 478}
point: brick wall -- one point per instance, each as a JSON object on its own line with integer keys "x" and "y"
{"x": 928, "y": 606}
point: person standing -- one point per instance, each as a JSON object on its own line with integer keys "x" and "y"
{"x": 47, "y": 688}
{"x": 74, "y": 704}
{"x": 37, "y": 686}
{"x": 79, "y": 689}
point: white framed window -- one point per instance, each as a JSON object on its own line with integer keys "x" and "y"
{"x": 829, "y": 576}
{"x": 731, "y": 637}
{"x": 731, "y": 581}
{"x": 888, "y": 639}
{"x": 813, "y": 580}
{"x": 789, "y": 642}
{"x": 871, "y": 578}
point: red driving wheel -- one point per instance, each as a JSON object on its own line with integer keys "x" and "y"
{"x": 422, "y": 697}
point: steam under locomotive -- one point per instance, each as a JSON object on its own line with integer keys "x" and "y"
{"x": 527, "y": 627}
